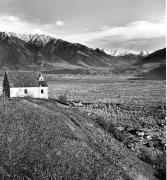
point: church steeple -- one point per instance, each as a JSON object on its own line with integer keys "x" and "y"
{"x": 41, "y": 78}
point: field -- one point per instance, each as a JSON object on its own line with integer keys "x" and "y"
{"x": 105, "y": 90}
{"x": 132, "y": 110}
{"x": 129, "y": 110}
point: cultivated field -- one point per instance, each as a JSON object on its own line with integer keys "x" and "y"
{"x": 108, "y": 90}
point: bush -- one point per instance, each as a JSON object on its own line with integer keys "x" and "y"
{"x": 63, "y": 98}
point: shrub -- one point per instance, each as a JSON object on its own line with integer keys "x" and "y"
{"x": 63, "y": 98}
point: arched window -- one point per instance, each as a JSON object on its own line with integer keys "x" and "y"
{"x": 42, "y": 91}
{"x": 25, "y": 91}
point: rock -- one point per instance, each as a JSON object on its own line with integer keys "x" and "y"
{"x": 149, "y": 137}
{"x": 80, "y": 104}
{"x": 120, "y": 128}
{"x": 140, "y": 133}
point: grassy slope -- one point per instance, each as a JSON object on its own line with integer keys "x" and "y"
{"x": 41, "y": 139}
{"x": 156, "y": 73}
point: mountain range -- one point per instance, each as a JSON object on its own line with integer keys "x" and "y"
{"x": 113, "y": 52}
{"x": 51, "y": 55}
{"x": 23, "y": 50}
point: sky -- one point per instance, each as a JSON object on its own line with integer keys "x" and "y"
{"x": 111, "y": 24}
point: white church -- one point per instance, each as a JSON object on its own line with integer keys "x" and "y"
{"x": 24, "y": 84}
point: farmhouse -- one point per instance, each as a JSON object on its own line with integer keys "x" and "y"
{"x": 24, "y": 84}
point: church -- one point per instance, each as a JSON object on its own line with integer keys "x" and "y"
{"x": 24, "y": 84}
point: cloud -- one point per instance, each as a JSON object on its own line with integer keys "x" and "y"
{"x": 17, "y": 25}
{"x": 85, "y": 29}
{"x": 135, "y": 44}
{"x": 134, "y": 34}
{"x": 133, "y": 30}
{"x": 59, "y": 23}
{"x": 10, "y": 18}
{"x": 104, "y": 28}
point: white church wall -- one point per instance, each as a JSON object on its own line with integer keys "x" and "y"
{"x": 34, "y": 92}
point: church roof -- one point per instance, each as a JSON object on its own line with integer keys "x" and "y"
{"x": 24, "y": 79}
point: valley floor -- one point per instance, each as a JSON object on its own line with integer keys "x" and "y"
{"x": 108, "y": 89}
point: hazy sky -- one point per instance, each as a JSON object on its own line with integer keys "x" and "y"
{"x": 114, "y": 24}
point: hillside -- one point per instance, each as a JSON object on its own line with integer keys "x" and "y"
{"x": 43, "y": 50}
{"x": 46, "y": 140}
{"x": 45, "y": 53}
{"x": 55, "y": 56}
{"x": 158, "y": 59}
{"x": 151, "y": 67}
{"x": 158, "y": 56}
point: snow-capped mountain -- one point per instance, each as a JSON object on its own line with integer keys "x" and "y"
{"x": 17, "y": 50}
{"x": 52, "y": 55}
{"x": 42, "y": 40}
{"x": 35, "y": 38}
{"x": 125, "y": 52}
{"x": 144, "y": 53}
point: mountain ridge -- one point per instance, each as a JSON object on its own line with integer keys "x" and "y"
{"x": 44, "y": 39}
{"x": 35, "y": 49}
{"x": 50, "y": 55}
{"x": 114, "y": 52}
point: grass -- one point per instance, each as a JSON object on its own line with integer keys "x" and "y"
{"x": 40, "y": 139}
{"x": 130, "y": 104}
{"x": 125, "y": 124}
